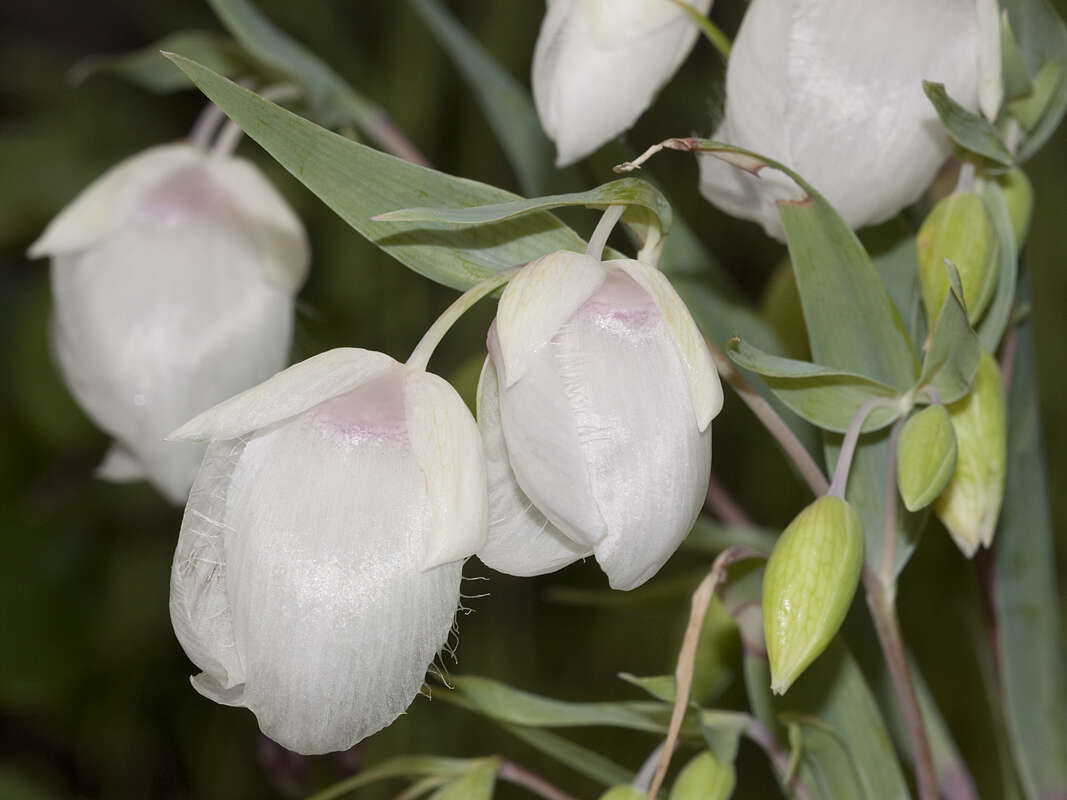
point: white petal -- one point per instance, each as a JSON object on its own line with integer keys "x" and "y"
{"x": 537, "y": 301}
{"x": 326, "y": 523}
{"x": 119, "y": 465}
{"x": 648, "y": 463}
{"x": 521, "y": 540}
{"x": 448, "y": 447}
{"x": 165, "y": 318}
{"x": 590, "y": 86}
{"x": 108, "y": 202}
{"x": 990, "y": 80}
{"x": 289, "y": 392}
{"x": 703, "y": 379}
{"x": 543, "y": 439}
{"x": 833, "y": 88}
{"x": 279, "y": 234}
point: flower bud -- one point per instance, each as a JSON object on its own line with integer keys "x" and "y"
{"x": 970, "y": 504}
{"x": 958, "y": 229}
{"x": 704, "y": 778}
{"x": 318, "y": 566}
{"x": 173, "y": 278}
{"x": 926, "y": 456}
{"x": 833, "y": 89}
{"x": 624, "y": 792}
{"x": 1019, "y": 197}
{"x": 808, "y": 586}
{"x": 595, "y": 406}
{"x": 598, "y": 64}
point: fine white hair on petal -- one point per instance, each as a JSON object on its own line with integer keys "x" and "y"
{"x": 164, "y": 318}
{"x": 325, "y": 520}
{"x": 599, "y": 63}
{"x": 537, "y": 301}
{"x": 833, "y": 88}
{"x": 289, "y": 392}
{"x": 108, "y": 203}
{"x": 521, "y": 540}
{"x": 448, "y": 448}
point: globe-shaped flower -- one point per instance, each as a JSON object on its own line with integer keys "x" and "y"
{"x": 173, "y": 278}
{"x": 318, "y": 567}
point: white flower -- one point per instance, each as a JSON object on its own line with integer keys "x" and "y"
{"x": 833, "y": 89}
{"x": 173, "y": 277}
{"x": 318, "y": 567}
{"x": 599, "y": 63}
{"x": 595, "y": 406}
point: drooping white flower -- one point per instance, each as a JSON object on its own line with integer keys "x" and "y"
{"x": 598, "y": 64}
{"x": 318, "y": 567}
{"x": 595, "y": 407}
{"x": 173, "y": 278}
{"x": 833, "y": 89}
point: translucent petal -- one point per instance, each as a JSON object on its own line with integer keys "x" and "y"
{"x": 990, "y": 80}
{"x": 279, "y": 233}
{"x": 588, "y": 86}
{"x": 521, "y": 540}
{"x": 448, "y": 448}
{"x": 537, "y": 301}
{"x": 165, "y": 318}
{"x": 704, "y": 386}
{"x": 107, "y": 203}
{"x": 325, "y": 522}
{"x": 289, "y": 392}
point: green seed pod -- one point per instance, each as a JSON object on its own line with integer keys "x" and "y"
{"x": 808, "y": 585}
{"x": 970, "y": 504}
{"x": 926, "y": 457}
{"x": 1019, "y": 197}
{"x": 704, "y": 778}
{"x": 623, "y": 792}
{"x": 961, "y": 230}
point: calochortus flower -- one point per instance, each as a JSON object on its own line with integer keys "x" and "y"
{"x": 173, "y": 278}
{"x": 318, "y": 567}
{"x": 595, "y": 406}
{"x": 833, "y": 89}
{"x": 599, "y": 63}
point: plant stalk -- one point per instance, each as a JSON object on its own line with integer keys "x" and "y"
{"x": 520, "y": 776}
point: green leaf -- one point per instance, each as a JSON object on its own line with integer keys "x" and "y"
{"x": 148, "y": 69}
{"x": 894, "y": 254}
{"x": 1030, "y": 654}
{"x": 825, "y": 397}
{"x": 581, "y": 759}
{"x": 358, "y": 182}
{"x": 410, "y": 767}
{"x": 662, "y": 687}
{"x": 993, "y": 324}
{"x": 722, "y": 731}
{"x": 705, "y": 777}
{"x": 952, "y": 357}
{"x": 712, "y": 537}
{"x": 1017, "y": 78}
{"x": 477, "y": 784}
{"x": 505, "y": 101}
{"x": 970, "y": 131}
{"x": 644, "y": 203}
{"x": 824, "y": 759}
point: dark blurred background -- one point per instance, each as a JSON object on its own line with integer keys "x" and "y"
{"x": 94, "y": 693}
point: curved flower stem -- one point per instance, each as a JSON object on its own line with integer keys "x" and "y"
{"x": 889, "y": 512}
{"x": 722, "y": 504}
{"x": 774, "y": 424}
{"x": 520, "y": 776}
{"x": 230, "y": 136}
{"x": 603, "y": 230}
{"x": 207, "y": 123}
{"x": 420, "y": 356}
{"x": 848, "y": 445}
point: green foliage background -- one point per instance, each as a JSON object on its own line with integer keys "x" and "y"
{"x": 94, "y": 696}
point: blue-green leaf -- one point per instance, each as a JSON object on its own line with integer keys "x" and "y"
{"x": 993, "y": 323}
{"x": 952, "y": 357}
{"x": 358, "y": 182}
{"x": 581, "y": 759}
{"x": 970, "y": 131}
{"x": 410, "y": 767}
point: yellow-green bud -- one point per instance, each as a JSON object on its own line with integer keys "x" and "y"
{"x": 623, "y": 792}
{"x": 808, "y": 585}
{"x": 926, "y": 457}
{"x": 970, "y": 504}
{"x": 1019, "y": 198}
{"x": 704, "y": 778}
{"x": 1029, "y": 109}
{"x": 961, "y": 230}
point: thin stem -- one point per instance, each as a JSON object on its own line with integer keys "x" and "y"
{"x": 722, "y": 504}
{"x": 848, "y": 445}
{"x": 889, "y": 513}
{"x": 420, "y": 356}
{"x": 380, "y": 128}
{"x": 643, "y": 779}
{"x": 719, "y": 40}
{"x": 762, "y": 736}
{"x": 774, "y": 424}
{"x": 227, "y": 140}
{"x": 881, "y": 601}
{"x": 512, "y": 773}
{"x": 207, "y": 123}
{"x": 603, "y": 230}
